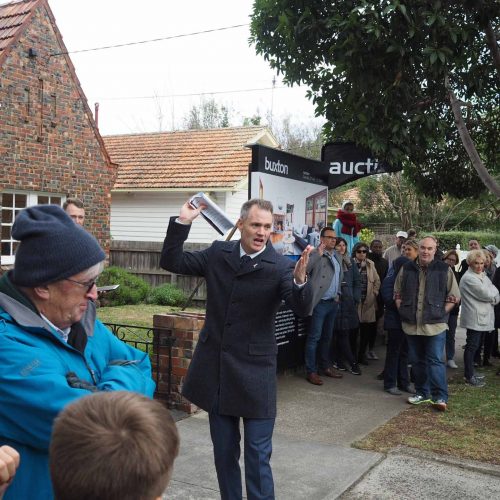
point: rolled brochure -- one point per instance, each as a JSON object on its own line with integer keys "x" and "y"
{"x": 212, "y": 213}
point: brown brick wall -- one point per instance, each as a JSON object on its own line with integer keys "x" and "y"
{"x": 185, "y": 328}
{"x": 49, "y": 144}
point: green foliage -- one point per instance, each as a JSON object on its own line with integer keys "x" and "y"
{"x": 132, "y": 290}
{"x": 449, "y": 239}
{"x": 208, "y": 114}
{"x": 376, "y": 70}
{"x": 166, "y": 295}
{"x": 366, "y": 235}
{"x": 300, "y": 139}
{"x": 393, "y": 198}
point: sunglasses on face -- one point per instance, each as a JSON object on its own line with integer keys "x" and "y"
{"x": 87, "y": 284}
{"x": 361, "y": 251}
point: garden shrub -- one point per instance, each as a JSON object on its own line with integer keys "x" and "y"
{"x": 366, "y": 235}
{"x": 448, "y": 239}
{"x": 132, "y": 290}
{"x": 167, "y": 295}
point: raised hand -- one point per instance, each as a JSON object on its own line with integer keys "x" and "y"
{"x": 188, "y": 213}
{"x": 299, "y": 273}
{"x": 321, "y": 248}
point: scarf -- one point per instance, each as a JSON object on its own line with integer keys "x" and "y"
{"x": 349, "y": 223}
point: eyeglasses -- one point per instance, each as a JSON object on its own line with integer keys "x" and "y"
{"x": 87, "y": 284}
{"x": 361, "y": 251}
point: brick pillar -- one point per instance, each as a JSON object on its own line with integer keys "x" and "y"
{"x": 185, "y": 328}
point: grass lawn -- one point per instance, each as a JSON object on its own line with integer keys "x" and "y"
{"x": 469, "y": 429}
{"x": 137, "y": 315}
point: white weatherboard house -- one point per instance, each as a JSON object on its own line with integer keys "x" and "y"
{"x": 158, "y": 172}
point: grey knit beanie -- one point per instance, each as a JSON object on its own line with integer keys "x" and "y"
{"x": 52, "y": 247}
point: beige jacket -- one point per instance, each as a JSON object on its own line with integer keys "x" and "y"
{"x": 366, "y": 309}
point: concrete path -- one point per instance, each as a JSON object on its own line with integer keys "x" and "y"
{"x": 313, "y": 458}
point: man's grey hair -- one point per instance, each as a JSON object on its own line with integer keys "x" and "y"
{"x": 262, "y": 204}
{"x": 73, "y": 201}
{"x": 428, "y": 236}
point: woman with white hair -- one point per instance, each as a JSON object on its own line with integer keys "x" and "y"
{"x": 479, "y": 295}
{"x": 346, "y": 225}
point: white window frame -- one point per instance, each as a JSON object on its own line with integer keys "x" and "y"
{"x": 32, "y": 198}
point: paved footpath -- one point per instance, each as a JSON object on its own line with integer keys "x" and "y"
{"x": 313, "y": 458}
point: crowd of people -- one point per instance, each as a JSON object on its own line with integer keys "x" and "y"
{"x": 77, "y": 419}
{"x": 414, "y": 293}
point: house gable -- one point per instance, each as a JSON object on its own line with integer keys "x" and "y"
{"x": 49, "y": 142}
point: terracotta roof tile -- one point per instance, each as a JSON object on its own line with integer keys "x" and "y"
{"x": 12, "y": 17}
{"x": 215, "y": 158}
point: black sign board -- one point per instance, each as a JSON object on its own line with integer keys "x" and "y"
{"x": 347, "y": 162}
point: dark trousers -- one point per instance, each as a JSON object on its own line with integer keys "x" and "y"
{"x": 396, "y": 360}
{"x": 367, "y": 331}
{"x": 258, "y": 433}
{"x": 450, "y": 336}
{"x": 473, "y": 344}
{"x": 494, "y": 347}
{"x": 354, "y": 341}
{"x": 341, "y": 348}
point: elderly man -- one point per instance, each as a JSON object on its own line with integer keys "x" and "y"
{"x": 395, "y": 251}
{"x": 425, "y": 292}
{"x": 53, "y": 349}
{"x": 233, "y": 371}
{"x": 75, "y": 209}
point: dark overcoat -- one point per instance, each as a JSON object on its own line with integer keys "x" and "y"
{"x": 236, "y": 351}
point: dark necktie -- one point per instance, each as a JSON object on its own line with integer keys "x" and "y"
{"x": 244, "y": 260}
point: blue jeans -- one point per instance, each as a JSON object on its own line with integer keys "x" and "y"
{"x": 396, "y": 360}
{"x": 320, "y": 335}
{"x": 429, "y": 371}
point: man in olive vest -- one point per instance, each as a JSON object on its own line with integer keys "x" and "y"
{"x": 425, "y": 291}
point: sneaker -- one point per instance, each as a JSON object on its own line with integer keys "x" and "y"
{"x": 371, "y": 355}
{"x": 418, "y": 399}
{"x": 451, "y": 364}
{"x": 339, "y": 366}
{"x": 355, "y": 370}
{"x": 475, "y": 382}
{"x": 439, "y": 404}
{"x": 394, "y": 391}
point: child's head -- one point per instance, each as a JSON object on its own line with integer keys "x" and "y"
{"x": 113, "y": 446}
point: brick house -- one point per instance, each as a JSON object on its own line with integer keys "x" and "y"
{"x": 50, "y": 148}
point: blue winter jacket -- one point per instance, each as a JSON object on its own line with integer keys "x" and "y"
{"x": 34, "y": 362}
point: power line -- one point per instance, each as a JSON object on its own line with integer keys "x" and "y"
{"x": 130, "y": 98}
{"x": 149, "y": 41}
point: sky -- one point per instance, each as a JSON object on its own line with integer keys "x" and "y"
{"x": 211, "y": 63}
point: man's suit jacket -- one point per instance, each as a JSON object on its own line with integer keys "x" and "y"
{"x": 320, "y": 273}
{"x": 236, "y": 351}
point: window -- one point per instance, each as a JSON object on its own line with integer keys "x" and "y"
{"x": 12, "y": 204}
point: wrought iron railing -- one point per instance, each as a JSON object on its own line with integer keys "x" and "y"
{"x": 155, "y": 341}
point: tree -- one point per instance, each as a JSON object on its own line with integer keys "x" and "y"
{"x": 208, "y": 114}
{"x": 394, "y": 77}
{"x": 299, "y": 139}
{"x": 392, "y": 198}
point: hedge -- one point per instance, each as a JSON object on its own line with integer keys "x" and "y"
{"x": 449, "y": 239}
{"x": 132, "y": 290}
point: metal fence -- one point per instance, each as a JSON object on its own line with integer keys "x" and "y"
{"x": 156, "y": 342}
